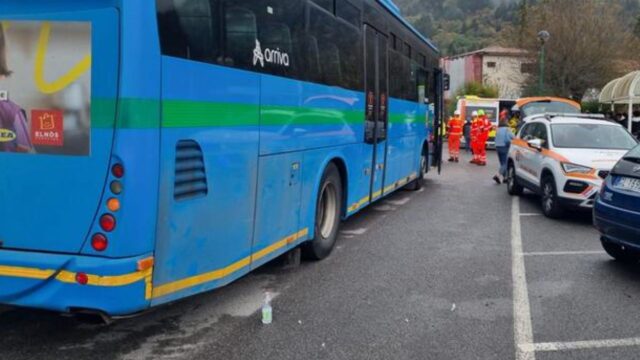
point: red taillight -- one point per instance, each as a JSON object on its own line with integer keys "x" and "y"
{"x": 99, "y": 242}
{"x": 116, "y": 187}
{"x": 82, "y": 278}
{"x": 107, "y": 222}
{"x": 117, "y": 170}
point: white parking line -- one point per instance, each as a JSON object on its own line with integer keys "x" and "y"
{"x": 523, "y": 331}
{"x": 530, "y": 214}
{"x": 562, "y": 253}
{"x": 580, "y": 345}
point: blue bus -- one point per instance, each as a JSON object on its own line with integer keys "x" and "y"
{"x": 156, "y": 149}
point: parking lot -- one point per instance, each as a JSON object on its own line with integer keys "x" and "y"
{"x": 579, "y": 303}
{"x": 445, "y": 273}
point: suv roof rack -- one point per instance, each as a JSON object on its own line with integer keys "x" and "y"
{"x": 551, "y": 116}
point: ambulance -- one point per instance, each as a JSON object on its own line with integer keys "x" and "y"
{"x": 491, "y": 107}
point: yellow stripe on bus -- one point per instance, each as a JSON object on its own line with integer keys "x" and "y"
{"x": 398, "y": 184}
{"x": 69, "y": 277}
{"x": 23, "y": 272}
{"x": 196, "y": 280}
{"x": 107, "y": 281}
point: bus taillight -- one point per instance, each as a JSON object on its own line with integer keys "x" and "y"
{"x": 113, "y": 205}
{"x": 99, "y": 242}
{"x": 116, "y": 187}
{"x": 107, "y": 222}
{"x": 117, "y": 170}
{"x": 82, "y": 278}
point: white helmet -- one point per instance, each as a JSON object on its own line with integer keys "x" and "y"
{"x": 457, "y": 113}
{"x": 474, "y": 114}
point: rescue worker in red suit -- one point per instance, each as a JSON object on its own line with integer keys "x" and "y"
{"x": 485, "y": 127}
{"x": 454, "y": 129}
{"x": 475, "y": 134}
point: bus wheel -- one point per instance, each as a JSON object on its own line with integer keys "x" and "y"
{"x": 418, "y": 183}
{"x": 328, "y": 216}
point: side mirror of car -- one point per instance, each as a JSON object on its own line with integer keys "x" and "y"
{"x": 535, "y": 144}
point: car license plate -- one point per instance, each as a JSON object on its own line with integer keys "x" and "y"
{"x": 629, "y": 184}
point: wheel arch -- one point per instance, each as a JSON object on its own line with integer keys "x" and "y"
{"x": 425, "y": 150}
{"x": 545, "y": 173}
{"x": 340, "y": 162}
{"x": 344, "y": 177}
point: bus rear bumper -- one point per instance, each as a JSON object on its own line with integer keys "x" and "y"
{"x": 54, "y": 282}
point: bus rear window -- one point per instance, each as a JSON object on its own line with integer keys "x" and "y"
{"x": 45, "y": 87}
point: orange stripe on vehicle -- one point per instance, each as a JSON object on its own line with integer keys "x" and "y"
{"x": 589, "y": 176}
{"x": 545, "y": 152}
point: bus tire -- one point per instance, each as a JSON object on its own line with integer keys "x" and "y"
{"x": 418, "y": 183}
{"x": 328, "y": 216}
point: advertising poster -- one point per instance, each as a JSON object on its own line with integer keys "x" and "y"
{"x": 45, "y": 87}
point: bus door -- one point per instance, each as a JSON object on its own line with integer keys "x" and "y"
{"x": 377, "y": 105}
{"x": 438, "y": 140}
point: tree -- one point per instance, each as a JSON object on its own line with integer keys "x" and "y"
{"x": 582, "y": 53}
{"x": 636, "y": 29}
{"x": 473, "y": 89}
{"x": 477, "y": 89}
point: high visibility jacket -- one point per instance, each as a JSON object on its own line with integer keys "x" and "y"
{"x": 454, "y": 127}
{"x": 485, "y": 126}
{"x": 475, "y": 128}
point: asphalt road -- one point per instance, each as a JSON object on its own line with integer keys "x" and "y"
{"x": 426, "y": 275}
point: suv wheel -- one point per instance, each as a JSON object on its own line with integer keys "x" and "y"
{"x": 513, "y": 187}
{"x": 550, "y": 203}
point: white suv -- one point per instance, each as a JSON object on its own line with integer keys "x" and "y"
{"x": 565, "y": 158}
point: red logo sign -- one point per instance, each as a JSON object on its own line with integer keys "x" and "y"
{"x": 47, "y": 127}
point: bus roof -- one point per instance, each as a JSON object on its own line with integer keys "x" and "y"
{"x": 395, "y": 10}
{"x": 524, "y": 101}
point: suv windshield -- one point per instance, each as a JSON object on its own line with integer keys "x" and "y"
{"x": 591, "y": 136}
{"x": 542, "y": 107}
{"x": 634, "y": 154}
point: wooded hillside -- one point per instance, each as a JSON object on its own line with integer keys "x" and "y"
{"x": 458, "y": 26}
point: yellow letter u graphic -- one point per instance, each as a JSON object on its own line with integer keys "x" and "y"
{"x": 65, "y": 80}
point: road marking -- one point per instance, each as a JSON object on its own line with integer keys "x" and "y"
{"x": 530, "y": 214}
{"x": 360, "y": 231}
{"x": 523, "y": 330}
{"x": 580, "y": 345}
{"x": 561, "y": 253}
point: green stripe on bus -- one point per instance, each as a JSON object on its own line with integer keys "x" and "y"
{"x": 205, "y": 114}
{"x": 145, "y": 114}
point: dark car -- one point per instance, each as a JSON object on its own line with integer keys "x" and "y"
{"x": 617, "y": 209}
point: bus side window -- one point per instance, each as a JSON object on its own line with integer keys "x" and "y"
{"x": 309, "y": 54}
{"x": 241, "y": 32}
{"x": 331, "y": 66}
{"x": 277, "y": 36}
{"x": 186, "y": 29}
{"x": 422, "y": 86}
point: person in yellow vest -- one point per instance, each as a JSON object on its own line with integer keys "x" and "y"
{"x": 454, "y": 128}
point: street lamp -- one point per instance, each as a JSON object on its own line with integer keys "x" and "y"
{"x": 543, "y": 37}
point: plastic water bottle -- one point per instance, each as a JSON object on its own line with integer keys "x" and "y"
{"x": 267, "y": 311}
